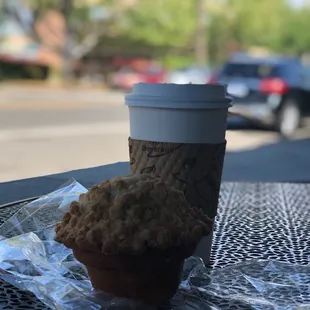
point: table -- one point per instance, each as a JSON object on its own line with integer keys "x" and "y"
{"x": 22, "y": 189}
{"x": 255, "y": 220}
{"x": 241, "y": 167}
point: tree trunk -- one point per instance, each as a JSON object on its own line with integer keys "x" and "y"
{"x": 65, "y": 7}
{"x": 201, "y": 50}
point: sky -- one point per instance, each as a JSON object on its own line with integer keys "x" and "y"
{"x": 298, "y": 3}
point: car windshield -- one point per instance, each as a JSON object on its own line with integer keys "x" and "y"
{"x": 257, "y": 71}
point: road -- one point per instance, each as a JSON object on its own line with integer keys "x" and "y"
{"x": 51, "y": 130}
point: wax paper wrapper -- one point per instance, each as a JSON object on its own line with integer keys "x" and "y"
{"x": 31, "y": 260}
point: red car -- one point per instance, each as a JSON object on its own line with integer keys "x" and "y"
{"x": 126, "y": 77}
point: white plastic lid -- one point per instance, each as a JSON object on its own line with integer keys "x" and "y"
{"x": 177, "y": 96}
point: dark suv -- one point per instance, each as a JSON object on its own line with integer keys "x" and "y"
{"x": 273, "y": 91}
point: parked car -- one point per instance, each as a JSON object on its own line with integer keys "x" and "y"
{"x": 193, "y": 74}
{"x": 126, "y": 77}
{"x": 273, "y": 91}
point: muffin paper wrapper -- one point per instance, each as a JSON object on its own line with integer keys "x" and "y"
{"x": 31, "y": 260}
{"x": 196, "y": 169}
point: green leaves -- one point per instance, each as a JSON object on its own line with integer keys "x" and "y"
{"x": 272, "y": 24}
{"x": 169, "y": 26}
{"x": 161, "y": 22}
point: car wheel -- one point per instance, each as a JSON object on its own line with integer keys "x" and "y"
{"x": 289, "y": 118}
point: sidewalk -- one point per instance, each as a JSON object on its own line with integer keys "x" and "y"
{"x": 49, "y": 85}
{"x": 15, "y": 95}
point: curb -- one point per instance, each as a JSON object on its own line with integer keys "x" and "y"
{"x": 51, "y": 86}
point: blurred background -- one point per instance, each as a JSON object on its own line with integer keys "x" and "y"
{"x": 66, "y": 64}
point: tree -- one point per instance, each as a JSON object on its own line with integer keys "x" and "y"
{"x": 295, "y": 38}
{"x": 81, "y": 32}
{"x": 252, "y": 22}
{"x": 168, "y": 28}
{"x": 161, "y": 22}
{"x": 247, "y": 23}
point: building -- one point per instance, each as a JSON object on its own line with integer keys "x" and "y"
{"x": 19, "y": 48}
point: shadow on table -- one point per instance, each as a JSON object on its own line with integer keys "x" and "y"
{"x": 26, "y": 188}
{"x": 283, "y": 161}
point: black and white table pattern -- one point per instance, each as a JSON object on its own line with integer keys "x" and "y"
{"x": 255, "y": 221}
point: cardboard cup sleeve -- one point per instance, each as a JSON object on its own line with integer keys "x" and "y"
{"x": 196, "y": 169}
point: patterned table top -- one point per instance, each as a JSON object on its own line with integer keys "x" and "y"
{"x": 262, "y": 220}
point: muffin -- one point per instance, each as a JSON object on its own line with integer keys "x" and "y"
{"x": 133, "y": 234}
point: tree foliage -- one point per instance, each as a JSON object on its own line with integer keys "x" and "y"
{"x": 161, "y": 22}
{"x": 241, "y": 23}
{"x": 170, "y": 25}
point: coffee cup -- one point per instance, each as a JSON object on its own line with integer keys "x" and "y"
{"x": 177, "y": 132}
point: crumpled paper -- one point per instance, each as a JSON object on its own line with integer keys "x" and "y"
{"x": 31, "y": 260}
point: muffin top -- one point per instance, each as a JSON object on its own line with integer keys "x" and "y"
{"x": 128, "y": 215}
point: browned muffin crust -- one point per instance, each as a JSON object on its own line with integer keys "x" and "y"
{"x": 128, "y": 215}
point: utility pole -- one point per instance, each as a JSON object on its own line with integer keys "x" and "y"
{"x": 65, "y": 7}
{"x": 201, "y": 48}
